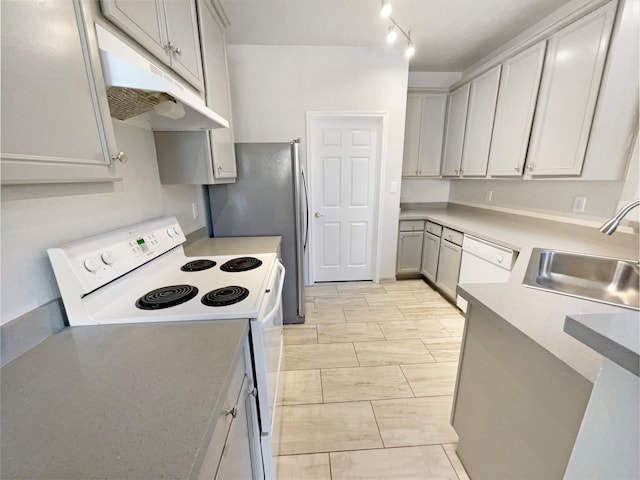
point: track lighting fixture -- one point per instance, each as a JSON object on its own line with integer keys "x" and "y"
{"x": 385, "y": 11}
{"x": 392, "y": 32}
{"x": 411, "y": 49}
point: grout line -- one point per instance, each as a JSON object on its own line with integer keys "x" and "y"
{"x": 377, "y": 424}
{"x": 407, "y": 380}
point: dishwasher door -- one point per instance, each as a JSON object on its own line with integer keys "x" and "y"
{"x": 483, "y": 262}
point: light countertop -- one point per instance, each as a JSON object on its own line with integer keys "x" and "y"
{"x": 232, "y": 246}
{"x": 538, "y": 314}
{"x": 615, "y": 336}
{"x": 118, "y": 401}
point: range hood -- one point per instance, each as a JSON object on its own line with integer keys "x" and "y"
{"x": 135, "y": 86}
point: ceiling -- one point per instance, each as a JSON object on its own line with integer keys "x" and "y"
{"x": 450, "y": 35}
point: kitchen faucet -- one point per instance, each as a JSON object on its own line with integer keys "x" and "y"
{"x": 611, "y": 225}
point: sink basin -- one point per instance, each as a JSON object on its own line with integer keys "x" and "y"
{"x": 600, "y": 279}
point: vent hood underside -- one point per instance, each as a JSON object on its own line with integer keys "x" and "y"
{"x": 135, "y": 87}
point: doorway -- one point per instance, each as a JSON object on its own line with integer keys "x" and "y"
{"x": 344, "y": 161}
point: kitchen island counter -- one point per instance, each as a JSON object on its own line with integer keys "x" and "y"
{"x": 118, "y": 401}
{"x": 539, "y": 315}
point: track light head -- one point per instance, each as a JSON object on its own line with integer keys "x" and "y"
{"x": 385, "y": 11}
{"x": 411, "y": 50}
{"x": 392, "y": 35}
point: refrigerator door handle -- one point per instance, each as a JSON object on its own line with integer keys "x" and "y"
{"x": 306, "y": 204}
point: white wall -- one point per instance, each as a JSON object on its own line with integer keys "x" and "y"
{"x": 419, "y": 190}
{"x": 541, "y": 196}
{"x": 274, "y": 86}
{"x": 37, "y": 217}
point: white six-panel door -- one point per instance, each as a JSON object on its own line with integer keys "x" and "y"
{"x": 343, "y": 165}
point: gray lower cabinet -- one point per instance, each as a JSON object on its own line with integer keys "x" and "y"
{"x": 234, "y": 450}
{"x": 517, "y": 408}
{"x": 430, "y": 251}
{"x": 236, "y": 456}
{"x": 56, "y": 126}
{"x": 448, "y": 267}
{"x": 409, "y": 252}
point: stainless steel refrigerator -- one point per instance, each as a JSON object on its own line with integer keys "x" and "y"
{"x": 268, "y": 198}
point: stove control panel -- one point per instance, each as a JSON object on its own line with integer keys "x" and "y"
{"x": 86, "y": 265}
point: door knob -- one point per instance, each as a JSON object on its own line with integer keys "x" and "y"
{"x": 318, "y": 215}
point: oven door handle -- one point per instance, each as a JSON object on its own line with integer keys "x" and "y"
{"x": 275, "y": 308}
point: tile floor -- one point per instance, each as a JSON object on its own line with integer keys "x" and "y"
{"x": 368, "y": 384}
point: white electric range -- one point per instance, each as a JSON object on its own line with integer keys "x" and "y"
{"x": 141, "y": 274}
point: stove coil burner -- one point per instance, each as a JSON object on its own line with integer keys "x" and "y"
{"x": 221, "y": 297}
{"x": 241, "y": 264}
{"x": 198, "y": 265}
{"x": 166, "y": 297}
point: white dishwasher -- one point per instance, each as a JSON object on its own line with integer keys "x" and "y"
{"x": 483, "y": 262}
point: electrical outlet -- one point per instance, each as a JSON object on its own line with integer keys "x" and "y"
{"x": 488, "y": 196}
{"x": 194, "y": 209}
{"x": 579, "y": 203}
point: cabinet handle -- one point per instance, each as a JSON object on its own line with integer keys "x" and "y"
{"x": 254, "y": 392}
{"x": 232, "y": 411}
{"x": 456, "y": 171}
{"x": 120, "y": 157}
{"x": 530, "y": 167}
{"x": 517, "y": 168}
{"x": 461, "y": 171}
{"x": 172, "y": 47}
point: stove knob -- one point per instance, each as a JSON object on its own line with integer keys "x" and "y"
{"x": 171, "y": 232}
{"x": 176, "y": 230}
{"x": 108, "y": 258}
{"x": 92, "y": 264}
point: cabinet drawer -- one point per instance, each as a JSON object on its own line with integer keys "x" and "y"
{"x": 433, "y": 229}
{"x": 452, "y": 235}
{"x": 491, "y": 252}
{"x": 411, "y": 225}
{"x": 223, "y": 423}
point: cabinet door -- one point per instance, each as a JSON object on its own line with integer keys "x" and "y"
{"x": 217, "y": 91}
{"x": 409, "y": 252}
{"x": 142, "y": 20}
{"x": 568, "y": 92}
{"x": 430, "y": 252}
{"x": 236, "y": 456}
{"x": 412, "y": 135}
{"x": 434, "y": 109}
{"x": 55, "y": 118}
{"x": 448, "y": 268}
{"x": 519, "y": 84}
{"x": 182, "y": 30}
{"x": 480, "y": 113}
{"x": 454, "y": 133}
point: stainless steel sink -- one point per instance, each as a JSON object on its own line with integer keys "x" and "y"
{"x": 600, "y": 279}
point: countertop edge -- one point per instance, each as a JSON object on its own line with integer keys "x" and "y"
{"x": 602, "y": 344}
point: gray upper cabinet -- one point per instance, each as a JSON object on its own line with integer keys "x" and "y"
{"x": 572, "y": 75}
{"x": 454, "y": 133}
{"x": 412, "y": 135}
{"x": 203, "y": 157}
{"x": 218, "y": 94}
{"x": 424, "y": 131}
{"x": 55, "y": 118}
{"x": 519, "y": 83}
{"x": 166, "y": 28}
{"x": 481, "y": 110}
